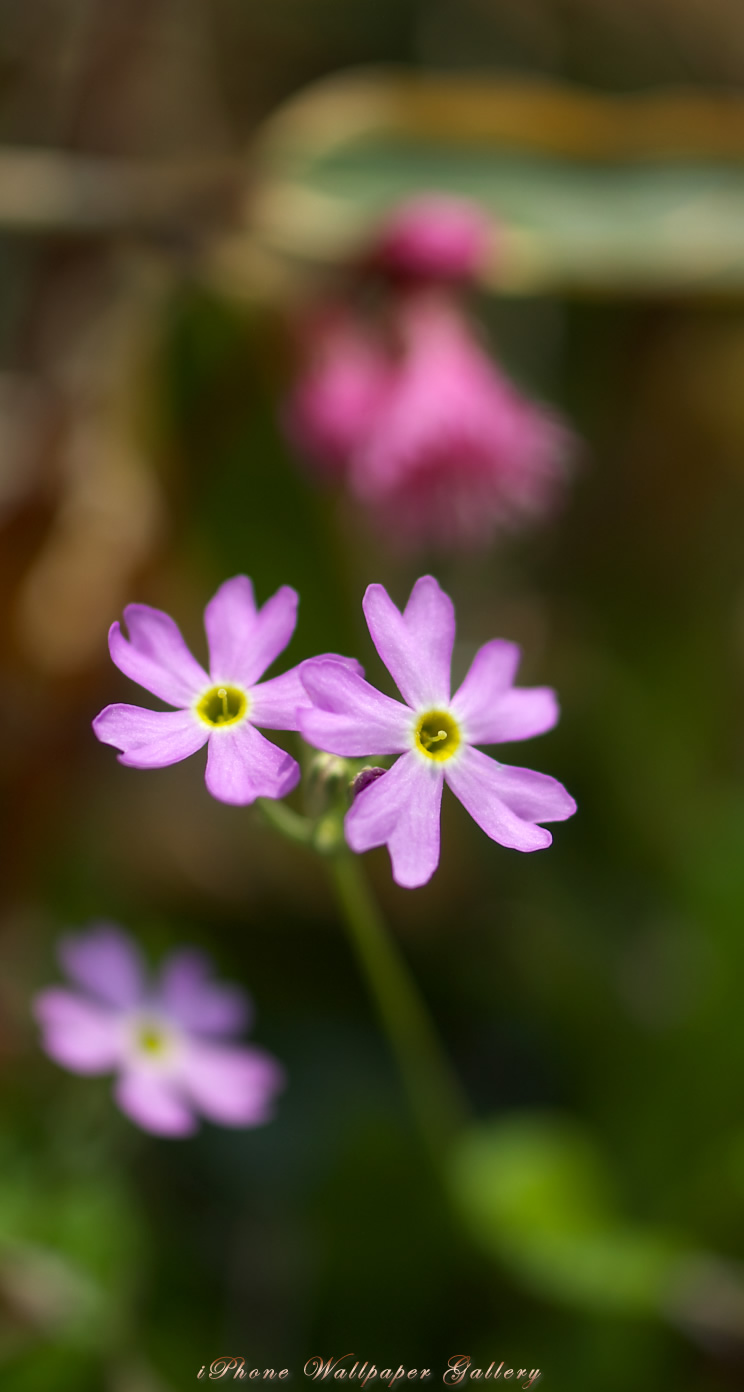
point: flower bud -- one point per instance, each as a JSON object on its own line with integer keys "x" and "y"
{"x": 433, "y": 238}
{"x": 363, "y": 779}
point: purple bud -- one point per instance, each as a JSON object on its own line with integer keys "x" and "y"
{"x": 363, "y": 779}
{"x": 433, "y": 237}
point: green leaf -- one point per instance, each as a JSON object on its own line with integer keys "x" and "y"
{"x": 588, "y": 193}
{"x": 536, "y": 1195}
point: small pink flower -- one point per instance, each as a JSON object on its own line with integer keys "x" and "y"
{"x": 435, "y": 734}
{"x": 435, "y": 238}
{"x": 338, "y": 391}
{"x": 171, "y": 1044}
{"x": 454, "y": 451}
{"x": 222, "y": 708}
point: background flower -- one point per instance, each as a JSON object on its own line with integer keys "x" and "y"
{"x": 396, "y": 393}
{"x": 170, "y": 1042}
{"x": 433, "y": 237}
{"x": 454, "y": 451}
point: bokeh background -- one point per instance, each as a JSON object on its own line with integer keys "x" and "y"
{"x": 589, "y": 996}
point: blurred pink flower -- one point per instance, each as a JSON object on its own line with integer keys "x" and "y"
{"x": 454, "y": 451}
{"x": 338, "y": 390}
{"x": 397, "y": 397}
{"x": 433, "y": 237}
{"x": 170, "y": 1043}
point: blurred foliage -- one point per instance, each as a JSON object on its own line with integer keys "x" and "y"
{"x": 536, "y": 1194}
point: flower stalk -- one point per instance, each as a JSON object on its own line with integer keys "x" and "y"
{"x": 433, "y": 1091}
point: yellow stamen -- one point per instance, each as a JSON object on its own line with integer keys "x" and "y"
{"x": 428, "y": 740}
{"x": 437, "y": 735}
{"x": 222, "y": 705}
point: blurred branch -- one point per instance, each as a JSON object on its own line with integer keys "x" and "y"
{"x": 44, "y": 192}
{"x": 587, "y": 192}
{"x": 545, "y": 117}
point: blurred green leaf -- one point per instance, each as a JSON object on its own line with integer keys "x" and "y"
{"x": 588, "y": 193}
{"x": 535, "y": 1193}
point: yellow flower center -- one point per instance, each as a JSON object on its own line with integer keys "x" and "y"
{"x": 150, "y": 1040}
{"x": 222, "y": 705}
{"x": 437, "y": 735}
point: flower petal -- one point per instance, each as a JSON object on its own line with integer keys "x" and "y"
{"x": 491, "y": 674}
{"x": 520, "y": 714}
{"x": 242, "y": 766}
{"x": 350, "y": 717}
{"x": 155, "y": 655}
{"x": 534, "y": 796}
{"x": 491, "y": 709}
{"x": 244, "y": 640}
{"x": 106, "y": 962}
{"x": 230, "y": 621}
{"x": 506, "y": 802}
{"x": 401, "y": 810}
{"x": 189, "y": 996}
{"x": 152, "y": 1100}
{"x": 416, "y": 646}
{"x": 232, "y": 1086}
{"x": 275, "y": 703}
{"x": 83, "y": 1037}
{"x": 150, "y": 739}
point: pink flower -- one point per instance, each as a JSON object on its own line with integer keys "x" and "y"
{"x": 170, "y": 1044}
{"x": 222, "y": 708}
{"x": 433, "y": 237}
{"x": 453, "y": 450}
{"x": 338, "y": 390}
{"x": 435, "y": 734}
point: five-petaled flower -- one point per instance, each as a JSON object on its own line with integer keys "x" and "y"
{"x": 222, "y": 708}
{"x": 171, "y": 1044}
{"x": 435, "y": 734}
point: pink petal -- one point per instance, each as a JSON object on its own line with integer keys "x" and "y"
{"x": 340, "y": 386}
{"x": 534, "y": 796}
{"x": 401, "y": 810}
{"x": 491, "y": 709}
{"x": 491, "y": 674}
{"x": 275, "y": 703}
{"x": 106, "y": 962}
{"x": 151, "y": 1100}
{"x": 80, "y": 1036}
{"x": 150, "y": 739}
{"x": 520, "y": 714}
{"x": 232, "y": 1086}
{"x": 230, "y": 621}
{"x": 243, "y": 766}
{"x": 416, "y": 646}
{"x": 350, "y": 717}
{"x": 188, "y": 995}
{"x": 506, "y": 802}
{"x": 243, "y": 640}
{"x": 156, "y": 656}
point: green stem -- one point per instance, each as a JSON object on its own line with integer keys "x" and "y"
{"x": 291, "y": 824}
{"x": 432, "y": 1088}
